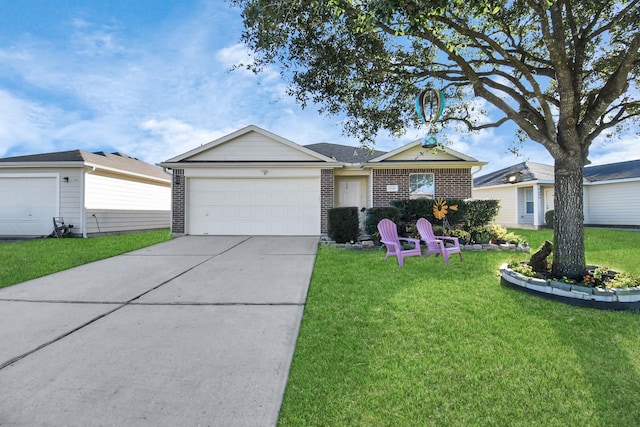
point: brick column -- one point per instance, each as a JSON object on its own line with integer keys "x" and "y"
{"x": 178, "y": 199}
{"x": 326, "y": 197}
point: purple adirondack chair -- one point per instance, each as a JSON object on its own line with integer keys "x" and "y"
{"x": 389, "y": 236}
{"x": 436, "y": 244}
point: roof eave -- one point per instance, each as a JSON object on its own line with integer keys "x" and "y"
{"x": 199, "y": 165}
{"x": 612, "y": 181}
{"x": 439, "y": 164}
{"x": 68, "y": 164}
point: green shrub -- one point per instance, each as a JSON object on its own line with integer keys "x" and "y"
{"x": 438, "y": 230}
{"x": 479, "y": 234}
{"x": 342, "y": 224}
{"x": 496, "y": 231}
{"x": 478, "y": 213}
{"x": 463, "y": 236}
{"x": 550, "y": 218}
{"x": 413, "y": 209}
{"x": 511, "y": 237}
{"x": 521, "y": 268}
{"x": 471, "y": 216}
{"x": 374, "y": 215}
{"x": 623, "y": 280}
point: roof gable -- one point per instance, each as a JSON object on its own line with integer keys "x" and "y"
{"x": 251, "y": 144}
{"x": 414, "y": 151}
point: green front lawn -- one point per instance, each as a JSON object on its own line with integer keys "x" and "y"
{"x": 21, "y": 261}
{"x": 434, "y": 345}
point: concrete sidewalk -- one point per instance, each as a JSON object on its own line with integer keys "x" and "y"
{"x": 194, "y": 331}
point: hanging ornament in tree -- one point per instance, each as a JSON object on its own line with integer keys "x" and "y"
{"x": 429, "y": 107}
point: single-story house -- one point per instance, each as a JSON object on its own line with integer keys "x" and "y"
{"x": 93, "y": 192}
{"x": 526, "y": 193}
{"x": 253, "y": 182}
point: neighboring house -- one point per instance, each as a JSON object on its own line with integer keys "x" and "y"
{"x": 253, "y": 182}
{"x": 526, "y": 193}
{"x": 94, "y": 192}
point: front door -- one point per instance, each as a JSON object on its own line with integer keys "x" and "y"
{"x": 349, "y": 193}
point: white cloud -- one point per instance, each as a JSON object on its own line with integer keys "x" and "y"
{"x": 234, "y": 55}
{"x": 23, "y": 123}
{"x": 170, "y": 137}
{"x": 615, "y": 149}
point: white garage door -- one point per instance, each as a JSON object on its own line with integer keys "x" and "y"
{"x": 263, "y": 206}
{"x": 27, "y": 205}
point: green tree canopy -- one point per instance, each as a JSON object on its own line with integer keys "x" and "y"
{"x": 564, "y": 72}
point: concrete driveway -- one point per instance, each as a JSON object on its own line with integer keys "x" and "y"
{"x": 194, "y": 331}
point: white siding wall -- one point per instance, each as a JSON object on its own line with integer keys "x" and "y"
{"x": 615, "y": 203}
{"x": 71, "y": 199}
{"x": 507, "y": 215}
{"x": 119, "y": 204}
{"x": 103, "y": 192}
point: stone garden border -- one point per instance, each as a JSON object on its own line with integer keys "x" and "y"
{"x": 607, "y": 299}
{"x": 369, "y": 244}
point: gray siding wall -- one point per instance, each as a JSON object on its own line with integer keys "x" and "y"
{"x": 106, "y": 221}
{"x": 615, "y": 203}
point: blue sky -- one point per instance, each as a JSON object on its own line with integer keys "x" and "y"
{"x": 150, "y": 79}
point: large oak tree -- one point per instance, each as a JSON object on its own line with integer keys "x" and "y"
{"x": 563, "y": 71}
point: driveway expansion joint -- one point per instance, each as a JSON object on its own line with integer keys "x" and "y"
{"x": 89, "y": 322}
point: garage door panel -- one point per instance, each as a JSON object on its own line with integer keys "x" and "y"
{"x": 28, "y": 205}
{"x": 263, "y": 198}
{"x": 262, "y": 206}
{"x": 247, "y": 213}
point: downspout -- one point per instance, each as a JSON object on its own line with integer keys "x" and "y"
{"x": 472, "y": 174}
{"x": 479, "y": 169}
{"x": 83, "y": 207}
{"x": 166, "y": 170}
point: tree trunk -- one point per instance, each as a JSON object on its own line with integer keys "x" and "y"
{"x": 568, "y": 238}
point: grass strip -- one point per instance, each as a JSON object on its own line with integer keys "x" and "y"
{"x": 29, "y": 259}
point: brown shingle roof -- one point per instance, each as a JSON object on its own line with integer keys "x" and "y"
{"x": 114, "y": 161}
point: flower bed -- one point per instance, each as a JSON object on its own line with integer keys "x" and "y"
{"x": 573, "y": 293}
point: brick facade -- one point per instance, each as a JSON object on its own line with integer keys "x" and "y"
{"x": 449, "y": 183}
{"x": 452, "y": 183}
{"x": 326, "y": 197}
{"x": 178, "y": 200}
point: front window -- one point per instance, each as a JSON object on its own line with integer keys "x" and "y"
{"x": 421, "y": 185}
{"x": 528, "y": 200}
